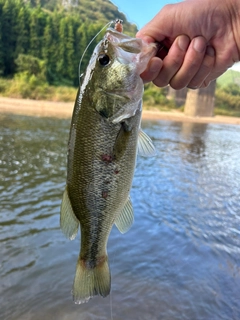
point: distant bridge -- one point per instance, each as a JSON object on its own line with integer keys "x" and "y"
{"x": 197, "y": 103}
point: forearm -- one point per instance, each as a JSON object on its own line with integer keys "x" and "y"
{"x": 234, "y": 9}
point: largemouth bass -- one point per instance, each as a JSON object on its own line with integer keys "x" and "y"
{"x": 104, "y": 137}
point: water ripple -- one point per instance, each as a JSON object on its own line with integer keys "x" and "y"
{"x": 180, "y": 260}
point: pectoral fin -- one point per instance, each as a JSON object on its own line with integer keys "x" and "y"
{"x": 145, "y": 145}
{"x": 125, "y": 219}
{"x": 68, "y": 221}
{"x": 121, "y": 142}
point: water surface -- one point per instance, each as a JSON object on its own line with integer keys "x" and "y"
{"x": 180, "y": 260}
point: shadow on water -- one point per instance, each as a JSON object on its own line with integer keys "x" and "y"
{"x": 180, "y": 260}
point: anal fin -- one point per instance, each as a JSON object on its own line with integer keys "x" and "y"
{"x": 68, "y": 221}
{"x": 125, "y": 219}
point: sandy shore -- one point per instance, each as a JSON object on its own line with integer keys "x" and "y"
{"x": 64, "y": 110}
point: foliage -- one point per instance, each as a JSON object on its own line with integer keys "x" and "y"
{"x": 31, "y": 66}
{"x": 227, "y": 95}
{"x": 230, "y": 76}
{"x": 54, "y": 31}
{"x": 232, "y": 89}
{"x": 23, "y": 86}
{"x": 26, "y": 86}
{"x": 156, "y": 97}
{"x": 101, "y": 11}
{"x": 227, "y": 98}
{"x": 42, "y": 41}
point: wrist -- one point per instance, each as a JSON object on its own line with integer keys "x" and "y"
{"x": 234, "y": 9}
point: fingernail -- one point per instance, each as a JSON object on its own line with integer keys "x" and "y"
{"x": 199, "y": 44}
{"x": 210, "y": 51}
{"x": 183, "y": 43}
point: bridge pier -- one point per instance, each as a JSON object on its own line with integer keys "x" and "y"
{"x": 200, "y": 102}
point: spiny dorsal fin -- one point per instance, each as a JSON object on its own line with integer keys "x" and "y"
{"x": 145, "y": 145}
{"x": 125, "y": 219}
{"x": 68, "y": 221}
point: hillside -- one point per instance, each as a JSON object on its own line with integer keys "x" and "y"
{"x": 41, "y": 42}
{"x": 230, "y": 76}
{"x": 101, "y": 11}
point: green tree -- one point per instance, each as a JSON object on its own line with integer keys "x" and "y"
{"x": 70, "y": 49}
{"x": 34, "y": 35}
{"x": 37, "y": 25}
{"x": 31, "y": 65}
{"x": 81, "y": 46}
{"x": 50, "y": 47}
{"x": 1, "y": 41}
{"x": 233, "y": 89}
{"x": 22, "y": 45}
{"x": 62, "y": 51}
{"x": 227, "y": 97}
{"x": 59, "y": 37}
{"x": 9, "y": 35}
{"x": 85, "y": 33}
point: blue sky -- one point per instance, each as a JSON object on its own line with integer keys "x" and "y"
{"x": 140, "y": 11}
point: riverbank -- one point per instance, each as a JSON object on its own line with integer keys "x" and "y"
{"x": 64, "y": 110}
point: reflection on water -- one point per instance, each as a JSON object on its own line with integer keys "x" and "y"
{"x": 180, "y": 260}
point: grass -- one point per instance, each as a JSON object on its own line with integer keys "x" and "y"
{"x": 225, "y": 112}
{"x": 154, "y": 98}
{"x": 29, "y": 90}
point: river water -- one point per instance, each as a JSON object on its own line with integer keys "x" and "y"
{"x": 181, "y": 258}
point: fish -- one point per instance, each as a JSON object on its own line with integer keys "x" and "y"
{"x": 105, "y": 137}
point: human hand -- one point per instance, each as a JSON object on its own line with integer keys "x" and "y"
{"x": 200, "y": 40}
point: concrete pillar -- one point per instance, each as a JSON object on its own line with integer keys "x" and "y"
{"x": 179, "y": 96}
{"x": 200, "y": 102}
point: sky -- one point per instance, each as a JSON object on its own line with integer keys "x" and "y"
{"x": 142, "y": 11}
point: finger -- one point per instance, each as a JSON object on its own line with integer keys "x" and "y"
{"x": 173, "y": 61}
{"x": 204, "y": 70}
{"x": 152, "y": 70}
{"x": 191, "y": 65}
{"x": 145, "y": 38}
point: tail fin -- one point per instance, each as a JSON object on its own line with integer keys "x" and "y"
{"x": 89, "y": 282}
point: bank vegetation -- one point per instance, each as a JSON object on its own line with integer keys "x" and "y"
{"x": 41, "y": 43}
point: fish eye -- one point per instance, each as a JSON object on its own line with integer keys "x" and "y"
{"x": 104, "y": 59}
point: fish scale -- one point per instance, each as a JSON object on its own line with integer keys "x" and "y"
{"x": 93, "y": 205}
